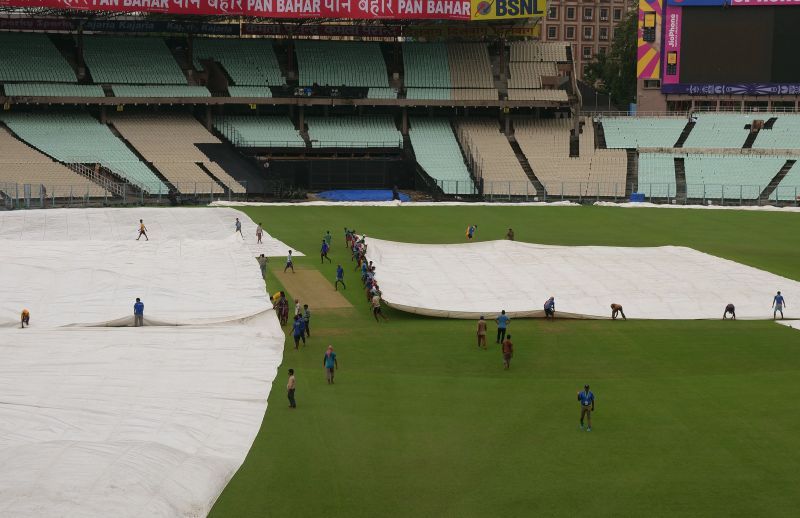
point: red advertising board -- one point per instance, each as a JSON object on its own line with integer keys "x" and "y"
{"x": 351, "y": 9}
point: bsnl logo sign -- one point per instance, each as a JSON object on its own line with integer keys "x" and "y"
{"x": 503, "y": 8}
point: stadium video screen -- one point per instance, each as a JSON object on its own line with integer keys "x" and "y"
{"x": 741, "y": 45}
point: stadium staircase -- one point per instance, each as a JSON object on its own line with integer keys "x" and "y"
{"x": 769, "y": 189}
{"x": 104, "y": 178}
{"x": 99, "y": 175}
{"x": 66, "y": 47}
{"x": 179, "y": 54}
{"x": 420, "y": 173}
{"x": 751, "y": 138}
{"x": 464, "y": 154}
{"x": 685, "y": 134}
{"x": 632, "y": 172}
{"x": 138, "y": 155}
{"x": 217, "y": 80}
{"x": 242, "y": 169}
{"x": 202, "y": 166}
{"x": 680, "y": 180}
{"x": 599, "y": 136}
{"x": 526, "y": 165}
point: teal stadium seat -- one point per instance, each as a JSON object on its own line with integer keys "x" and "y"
{"x": 248, "y": 62}
{"x": 785, "y": 133}
{"x": 638, "y": 132}
{"x": 354, "y": 132}
{"x": 717, "y": 176}
{"x": 336, "y": 63}
{"x": 32, "y": 57}
{"x": 53, "y": 90}
{"x": 131, "y": 60}
{"x": 717, "y": 130}
{"x": 259, "y": 131}
{"x": 789, "y": 188}
{"x": 80, "y": 138}
{"x": 438, "y": 152}
{"x": 249, "y": 91}
{"x": 160, "y": 91}
{"x": 657, "y": 175}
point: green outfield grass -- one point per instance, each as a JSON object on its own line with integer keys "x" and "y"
{"x": 693, "y": 418}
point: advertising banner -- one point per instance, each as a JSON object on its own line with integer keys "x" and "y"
{"x": 293, "y": 9}
{"x": 673, "y": 18}
{"x": 121, "y": 26}
{"x": 732, "y": 89}
{"x": 696, "y": 3}
{"x": 507, "y": 9}
{"x": 648, "y": 62}
{"x": 762, "y": 3}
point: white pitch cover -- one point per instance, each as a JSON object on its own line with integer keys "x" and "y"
{"x": 100, "y": 419}
{"x": 473, "y": 279}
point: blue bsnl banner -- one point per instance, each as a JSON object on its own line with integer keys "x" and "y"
{"x": 693, "y": 3}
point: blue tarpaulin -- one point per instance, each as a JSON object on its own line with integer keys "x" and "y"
{"x": 361, "y": 195}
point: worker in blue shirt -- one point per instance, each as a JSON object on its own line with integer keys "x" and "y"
{"x": 586, "y": 398}
{"x": 339, "y": 277}
{"x": 298, "y": 331}
{"x": 502, "y": 321}
{"x": 323, "y": 252}
{"x": 778, "y": 304}
{"x": 138, "y": 313}
{"x": 550, "y": 308}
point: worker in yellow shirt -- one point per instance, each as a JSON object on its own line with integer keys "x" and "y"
{"x": 25, "y": 318}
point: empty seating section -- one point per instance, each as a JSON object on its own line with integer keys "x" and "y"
{"x": 80, "y": 138}
{"x": 639, "y": 132}
{"x": 52, "y": 90}
{"x": 20, "y": 164}
{"x": 717, "y": 176}
{"x": 356, "y": 132}
{"x": 545, "y": 144}
{"x": 719, "y": 131}
{"x": 524, "y": 94}
{"x": 453, "y": 71}
{"x": 438, "y": 152}
{"x": 169, "y": 142}
{"x": 539, "y": 51}
{"x": 160, "y": 91}
{"x": 249, "y": 91}
{"x": 785, "y": 134}
{"x": 789, "y": 188}
{"x": 439, "y": 94}
{"x": 32, "y": 57}
{"x": 426, "y": 65}
{"x": 130, "y": 60}
{"x": 531, "y": 61}
{"x": 657, "y": 175}
{"x": 248, "y": 62}
{"x": 381, "y": 93}
{"x": 259, "y": 131}
{"x": 529, "y": 74}
{"x": 494, "y": 158}
{"x": 336, "y": 63}
{"x": 469, "y": 65}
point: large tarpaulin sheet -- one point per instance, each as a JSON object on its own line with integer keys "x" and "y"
{"x": 101, "y": 419}
{"x": 473, "y": 279}
{"x": 123, "y": 225}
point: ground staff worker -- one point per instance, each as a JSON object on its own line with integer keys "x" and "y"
{"x": 586, "y": 397}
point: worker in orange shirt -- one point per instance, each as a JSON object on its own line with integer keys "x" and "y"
{"x": 25, "y": 318}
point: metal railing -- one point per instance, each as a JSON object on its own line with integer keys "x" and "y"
{"x": 33, "y": 196}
